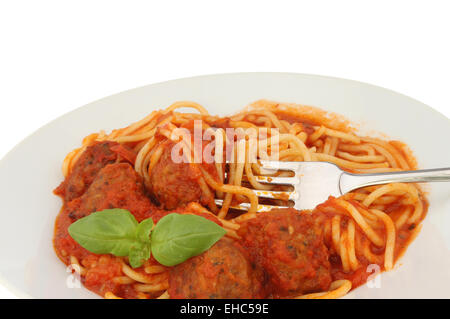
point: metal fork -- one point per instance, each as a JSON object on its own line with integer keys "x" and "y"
{"x": 313, "y": 182}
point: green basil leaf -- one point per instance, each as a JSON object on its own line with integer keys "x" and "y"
{"x": 144, "y": 229}
{"x": 111, "y": 231}
{"x": 139, "y": 253}
{"x": 178, "y": 237}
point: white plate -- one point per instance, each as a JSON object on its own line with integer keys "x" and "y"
{"x": 29, "y": 173}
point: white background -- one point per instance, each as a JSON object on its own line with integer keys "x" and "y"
{"x": 58, "y": 55}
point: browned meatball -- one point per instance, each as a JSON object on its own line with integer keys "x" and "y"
{"x": 91, "y": 161}
{"x": 176, "y": 184}
{"x": 115, "y": 186}
{"x": 291, "y": 250}
{"x": 221, "y": 272}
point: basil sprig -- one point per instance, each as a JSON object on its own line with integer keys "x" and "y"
{"x": 176, "y": 237}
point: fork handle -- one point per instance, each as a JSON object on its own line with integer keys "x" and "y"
{"x": 349, "y": 182}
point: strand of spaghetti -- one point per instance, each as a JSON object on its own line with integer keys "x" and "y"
{"x": 338, "y": 289}
{"x": 342, "y": 135}
{"x": 358, "y": 244}
{"x": 240, "y": 148}
{"x": 146, "y": 164}
{"x": 334, "y": 145}
{"x": 242, "y": 124}
{"x": 139, "y": 277}
{"x": 272, "y": 117}
{"x": 151, "y": 288}
{"x": 138, "y": 146}
{"x": 252, "y": 179}
{"x": 236, "y": 176}
{"x": 327, "y": 234}
{"x": 370, "y": 233}
{"x": 370, "y": 189}
{"x": 249, "y": 172}
{"x": 154, "y": 269}
{"x": 361, "y": 158}
{"x": 219, "y": 138}
{"x": 265, "y": 148}
{"x": 238, "y": 168}
{"x": 234, "y": 190}
{"x": 336, "y": 231}
{"x": 226, "y": 223}
{"x": 358, "y": 148}
{"x": 390, "y": 238}
{"x": 190, "y": 104}
{"x": 374, "y": 259}
{"x": 243, "y": 217}
{"x": 343, "y": 251}
{"x": 317, "y": 134}
{"x": 369, "y": 217}
{"x": 395, "y": 153}
{"x": 220, "y": 174}
{"x": 404, "y": 216}
{"x": 353, "y": 261}
{"x": 232, "y": 233}
{"x": 207, "y": 193}
{"x": 286, "y": 124}
{"x": 154, "y": 158}
{"x": 299, "y": 143}
{"x": 228, "y": 196}
{"x": 375, "y": 170}
{"x": 418, "y": 211}
{"x": 347, "y": 164}
{"x": 313, "y": 152}
{"x": 379, "y": 207}
{"x": 296, "y": 128}
{"x": 389, "y": 188}
{"x": 135, "y": 138}
{"x": 389, "y": 157}
{"x": 182, "y": 120}
{"x": 327, "y": 145}
{"x": 302, "y": 136}
{"x": 319, "y": 146}
{"x": 142, "y": 160}
{"x": 291, "y": 155}
{"x": 385, "y": 199}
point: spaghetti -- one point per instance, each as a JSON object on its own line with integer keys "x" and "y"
{"x": 369, "y": 226}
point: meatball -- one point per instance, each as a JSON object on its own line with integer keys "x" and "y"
{"x": 224, "y": 271}
{"x": 91, "y": 161}
{"x": 115, "y": 186}
{"x": 290, "y": 249}
{"x": 176, "y": 184}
